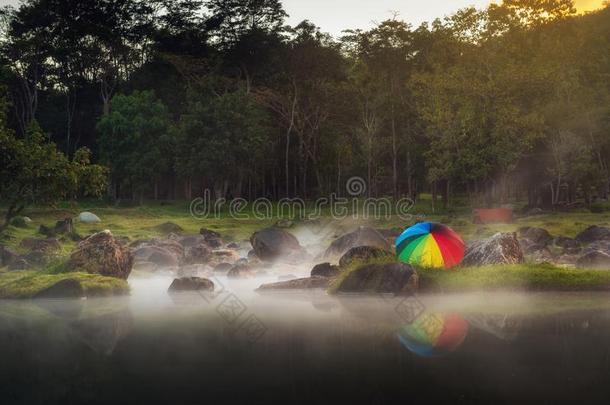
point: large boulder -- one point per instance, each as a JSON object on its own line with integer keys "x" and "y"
{"x": 273, "y": 243}
{"x": 191, "y": 284}
{"x": 594, "y": 260}
{"x": 568, "y": 244}
{"x": 501, "y": 248}
{"x": 102, "y": 254}
{"x": 88, "y": 218}
{"x": 308, "y": 283}
{"x": 363, "y": 254}
{"x": 593, "y": 234}
{"x": 363, "y": 236}
{"x": 159, "y": 256}
{"x": 396, "y": 278}
{"x": 161, "y": 252}
{"x": 538, "y": 236}
{"x": 325, "y": 270}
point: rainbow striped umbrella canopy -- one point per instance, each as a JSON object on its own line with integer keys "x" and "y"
{"x": 429, "y": 244}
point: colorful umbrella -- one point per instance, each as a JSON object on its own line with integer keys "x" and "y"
{"x": 428, "y": 244}
{"x": 434, "y": 335}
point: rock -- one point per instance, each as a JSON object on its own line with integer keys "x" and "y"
{"x": 19, "y": 222}
{"x": 191, "y": 284}
{"x": 88, "y": 217}
{"x": 364, "y": 254}
{"x": 309, "y": 283}
{"x": 19, "y": 264}
{"x": 272, "y": 243}
{"x": 593, "y": 234}
{"x": 396, "y": 278}
{"x": 568, "y": 259}
{"x": 543, "y": 255}
{"x": 8, "y": 256}
{"x": 240, "y": 271}
{"x": 223, "y": 267}
{"x": 538, "y": 236}
{"x": 48, "y": 245}
{"x": 209, "y": 234}
{"x": 168, "y": 227}
{"x": 602, "y": 246}
{"x": 212, "y": 238}
{"x": 102, "y": 254}
{"x": 37, "y": 257}
{"x": 566, "y": 243}
{"x": 363, "y": 236}
{"x": 528, "y": 246}
{"x": 224, "y": 255}
{"x": 199, "y": 254}
{"x": 191, "y": 240}
{"x": 161, "y": 252}
{"x": 64, "y": 227}
{"x": 501, "y": 248}
{"x": 66, "y": 288}
{"x": 233, "y": 245}
{"x": 162, "y": 257}
{"x": 594, "y": 260}
{"x": 325, "y": 270}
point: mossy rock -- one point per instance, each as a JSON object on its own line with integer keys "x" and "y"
{"x": 19, "y": 222}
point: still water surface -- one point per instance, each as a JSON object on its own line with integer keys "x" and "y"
{"x": 239, "y": 346}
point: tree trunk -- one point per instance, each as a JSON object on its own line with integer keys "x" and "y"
{"x": 394, "y": 157}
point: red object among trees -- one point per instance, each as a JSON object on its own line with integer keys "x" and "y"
{"x": 490, "y": 215}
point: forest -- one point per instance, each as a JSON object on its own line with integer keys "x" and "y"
{"x": 163, "y": 99}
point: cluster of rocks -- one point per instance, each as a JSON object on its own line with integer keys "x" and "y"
{"x": 589, "y": 249}
{"x": 41, "y": 251}
{"x": 358, "y": 261}
{"x": 356, "y": 248}
{"x": 191, "y": 254}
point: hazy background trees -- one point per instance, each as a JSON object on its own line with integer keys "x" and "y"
{"x": 176, "y": 96}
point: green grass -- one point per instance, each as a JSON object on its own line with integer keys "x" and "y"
{"x": 26, "y": 284}
{"x": 519, "y": 277}
{"x": 526, "y": 277}
{"x": 135, "y": 222}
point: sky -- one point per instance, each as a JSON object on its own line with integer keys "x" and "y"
{"x": 333, "y": 16}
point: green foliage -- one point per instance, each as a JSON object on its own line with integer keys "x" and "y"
{"x": 135, "y": 138}
{"x": 222, "y": 137}
{"x": 32, "y": 170}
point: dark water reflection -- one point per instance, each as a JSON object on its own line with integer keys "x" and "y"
{"x": 150, "y": 348}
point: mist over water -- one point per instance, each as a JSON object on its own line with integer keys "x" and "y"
{"x": 314, "y": 348}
